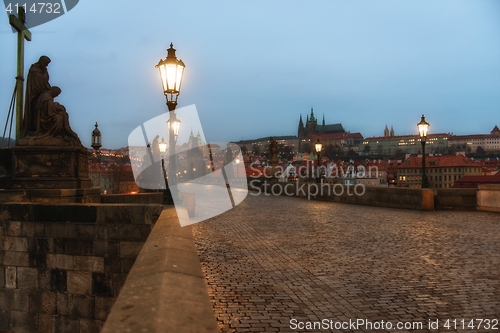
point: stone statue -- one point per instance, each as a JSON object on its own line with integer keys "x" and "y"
{"x": 273, "y": 159}
{"x": 37, "y": 83}
{"x": 156, "y": 148}
{"x": 45, "y": 121}
{"x": 273, "y": 149}
{"x": 54, "y": 120}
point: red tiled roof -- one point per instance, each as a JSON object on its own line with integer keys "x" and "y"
{"x": 337, "y": 136}
{"x": 439, "y": 162}
{"x": 473, "y": 181}
{"x": 256, "y": 172}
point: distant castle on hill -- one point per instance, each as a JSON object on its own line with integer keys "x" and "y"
{"x": 312, "y": 128}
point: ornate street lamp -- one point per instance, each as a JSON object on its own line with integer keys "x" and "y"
{"x": 96, "y": 137}
{"x": 171, "y": 71}
{"x": 318, "y": 146}
{"x": 174, "y": 125}
{"x": 162, "y": 145}
{"x": 423, "y": 130}
{"x": 96, "y": 141}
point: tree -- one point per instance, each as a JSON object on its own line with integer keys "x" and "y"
{"x": 330, "y": 151}
{"x": 400, "y": 153}
{"x": 366, "y": 149}
{"x": 256, "y": 149}
{"x": 480, "y": 150}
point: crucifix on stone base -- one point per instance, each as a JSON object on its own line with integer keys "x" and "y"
{"x": 22, "y": 34}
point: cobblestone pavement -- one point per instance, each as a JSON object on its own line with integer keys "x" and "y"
{"x": 273, "y": 260}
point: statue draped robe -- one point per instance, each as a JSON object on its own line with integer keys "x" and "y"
{"x": 54, "y": 120}
{"x": 37, "y": 83}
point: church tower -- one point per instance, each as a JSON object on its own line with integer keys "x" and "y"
{"x": 386, "y": 131}
{"x": 311, "y": 124}
{"x": 301, "y": 130}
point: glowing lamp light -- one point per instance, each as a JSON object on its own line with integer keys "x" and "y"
{"x": 423, "y": 128}
{"x": 162, "y": 145}
{"x": 174, "y": 125}
{"x": 171, "y": 71}
{"x": 318, "y": 146}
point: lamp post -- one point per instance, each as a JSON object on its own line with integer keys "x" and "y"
{"x": 423, "y": 130}
{"x": 96, "y": 140}
{"x": 171, "y": 71}
{"x": 318, "y": 146}
{"x": 162, "y": 145}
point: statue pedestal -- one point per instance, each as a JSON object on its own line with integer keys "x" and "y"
{"x": 53, "y": 174}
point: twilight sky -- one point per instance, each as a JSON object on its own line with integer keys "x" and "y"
{"x": 252, "y": 67}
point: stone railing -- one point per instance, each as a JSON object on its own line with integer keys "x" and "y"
{"x": 488, "y": 197}
{"x": 455, "y": 198}
{"x": 165, "y": 290}
{"x": 396, "y": 197}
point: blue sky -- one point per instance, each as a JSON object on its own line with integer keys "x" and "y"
{"x": 252, "y": 67}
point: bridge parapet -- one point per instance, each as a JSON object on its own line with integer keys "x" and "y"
{"x": 165, "y": 290}
{"x": 63, "y": 265}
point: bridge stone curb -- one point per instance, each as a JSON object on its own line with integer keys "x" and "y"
{"x": 165, "y": 290}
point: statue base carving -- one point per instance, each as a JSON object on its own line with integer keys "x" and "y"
{"x": 52, "y": 174}
{"x": 32, "y": 140}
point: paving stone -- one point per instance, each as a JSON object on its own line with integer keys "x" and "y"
{"x": 272, "y": 259}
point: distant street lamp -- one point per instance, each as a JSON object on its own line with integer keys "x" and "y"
{"x": 162, "y": 145}
{"x": 423, "y": 130}
{"x": 318, "y": 146}
{"x": 96, "y": 137}
{"x": 171, "y": 71}
{"x": 96, "y": 141}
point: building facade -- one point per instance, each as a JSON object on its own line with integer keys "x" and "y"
{"x": 471, "y": 143}
{"x": 391, "y": 144}
{"x": 441, "y": 171}
{"x": 286, "y": 143}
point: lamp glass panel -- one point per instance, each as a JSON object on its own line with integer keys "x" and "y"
{"x": 423, "y": 129}
{"x": 171, "y": 72}
{"x": 162, "y": 145}
{"x": 176, "y": 126}
{"x": 180, "y": 71}
{"x": 163, "y": 76}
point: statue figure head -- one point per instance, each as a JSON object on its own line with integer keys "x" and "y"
{"x": 55, "y": 91}
{"x": 44, "y": 61}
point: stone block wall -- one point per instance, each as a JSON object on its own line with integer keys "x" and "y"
{"x": 455, "y": 198}
{"x": 62, "y": 266}
{"x": 488, "y": 197}
{"x": 395, "y": 197}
